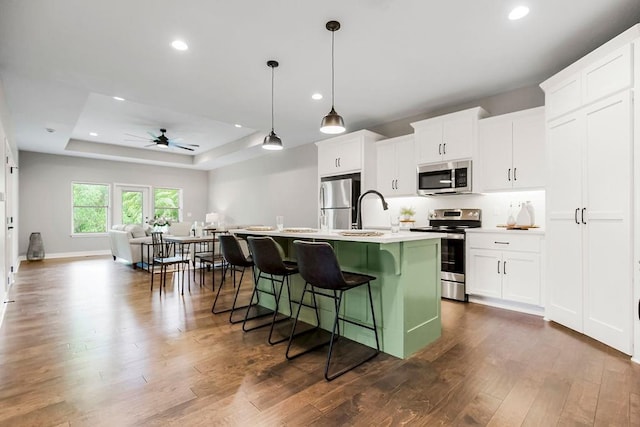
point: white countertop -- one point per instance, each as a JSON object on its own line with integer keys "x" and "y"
{"x": 387, "y": 237}
{"x": 537, "y": 231}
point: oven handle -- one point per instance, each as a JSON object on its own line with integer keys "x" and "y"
{"x": 455, "y": 236}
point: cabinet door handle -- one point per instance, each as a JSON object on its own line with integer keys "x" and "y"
{"x": 509, "y": 174}
{"x": 575, "y": 216}
{"x": 335, "y": 162}
{"x": 498, "y": 266}
{"x": 440, "y": 149}
{"x": 339, "y": 158}
{"x": 582, "y": 216}
{"x": 504, "y": 267}
{"x": 515, "y": 177}
{"x": 501, "y": 243}
{"x": 396, "y": 184}
{"x": 444, "y": 148}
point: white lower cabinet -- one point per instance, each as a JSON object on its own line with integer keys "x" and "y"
{"x": 505, "y": 266}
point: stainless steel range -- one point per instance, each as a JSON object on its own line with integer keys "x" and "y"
{"x": 454, "y": 222}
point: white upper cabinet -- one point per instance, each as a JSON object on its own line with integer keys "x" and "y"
{"x": 449, "y": 137}
{"x": 608, "y": 75}
{"x": 512, "y": 151}
{"x": 346, "y": 153}
{"x": 605, "y": 71}
{"x": 339, "y": 158}
{"x": 396, "y": 166}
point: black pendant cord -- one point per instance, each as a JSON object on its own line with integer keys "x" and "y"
{"x": 333, "y": 81}
{"x": 272, "y": 92}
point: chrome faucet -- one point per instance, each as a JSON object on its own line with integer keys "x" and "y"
{"x": 385, "y": 206}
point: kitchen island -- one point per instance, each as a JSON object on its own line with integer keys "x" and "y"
{"x": 406, "y": 294}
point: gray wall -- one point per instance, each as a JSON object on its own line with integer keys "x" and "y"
{"x": 285, "y": 183}
{"x": 45, "y": 195}
{"x": 279, "y": 183}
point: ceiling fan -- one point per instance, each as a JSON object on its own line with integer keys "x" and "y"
{"x": 161, "y": 141}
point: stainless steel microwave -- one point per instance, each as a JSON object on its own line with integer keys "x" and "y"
{"x": 444, "y": 178}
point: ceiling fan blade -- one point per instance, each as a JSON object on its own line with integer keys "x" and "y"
{"x": 150, "y": 145}
{"x": 137, "y": 140}
{"x": 137, "y": 136}
{"x": 183, "y": 147}
{"x": 175, "y": 139}
{"x": 152, "y": 135}
{"x": 190, "y": 145}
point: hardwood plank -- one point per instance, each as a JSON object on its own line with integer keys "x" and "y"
{"x": 86, "y": 343}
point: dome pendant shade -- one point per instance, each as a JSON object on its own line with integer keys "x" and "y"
{"x": 332, "y": 123}
{"x": 272, "y": 142}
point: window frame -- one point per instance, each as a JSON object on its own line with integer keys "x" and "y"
{"x": 108, "y": 208}
{"x": 180, "y": 201}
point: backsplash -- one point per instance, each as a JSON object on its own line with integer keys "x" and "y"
{"x": 495, "y": 207}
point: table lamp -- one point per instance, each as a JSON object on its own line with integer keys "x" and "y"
{"x": 212, "y": 218}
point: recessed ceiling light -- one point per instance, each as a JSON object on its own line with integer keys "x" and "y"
{"x": 93, "y": 134}
{"x": 316, "y": 96}
{"x": 117, "y": 98}
{"x": 179, "y": 45}
{"x": 519, "y": 12}
{"x": 238, "y": 125}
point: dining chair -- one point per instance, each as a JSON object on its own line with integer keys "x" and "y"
{"x": 164, "y": 255}
{"x": 319, "y": 267}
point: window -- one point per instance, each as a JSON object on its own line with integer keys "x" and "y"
{"x": 90, "y": 208}
{"x": 167, "y": 202}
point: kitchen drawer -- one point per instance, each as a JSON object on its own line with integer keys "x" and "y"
{"x": 504, "y": 242}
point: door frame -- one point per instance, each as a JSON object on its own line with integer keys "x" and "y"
{"x": 117, "y": 200}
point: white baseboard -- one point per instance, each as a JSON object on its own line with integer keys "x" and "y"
{"x": 70, "y": 254}
{"x": 508, "y": 305}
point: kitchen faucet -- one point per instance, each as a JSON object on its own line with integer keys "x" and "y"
{"x": 385, "y": 206}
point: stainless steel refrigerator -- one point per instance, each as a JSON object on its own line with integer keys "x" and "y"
{"x": 338, "y": 197}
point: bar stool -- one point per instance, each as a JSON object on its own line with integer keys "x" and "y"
{"x": 321, "y": 271}
{"x": 269, "y": 261}
{"x": 234, "y": 260}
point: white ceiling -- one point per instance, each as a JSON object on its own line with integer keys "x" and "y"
{"x": 62, "y": 61}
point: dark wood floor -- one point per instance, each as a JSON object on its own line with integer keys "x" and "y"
{"x": 86, "y": 343}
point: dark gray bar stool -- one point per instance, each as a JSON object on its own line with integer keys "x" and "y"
{"x": 270, "y": 264}
{"x": 234, "y": 260}
{"x": 321, "y": 271}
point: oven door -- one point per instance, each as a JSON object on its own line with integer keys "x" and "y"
{"x": 452, "y": 267}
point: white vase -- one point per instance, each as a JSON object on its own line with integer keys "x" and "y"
{"x": 523, "y": 219}
{"x": 532, "y": 213}
{"x": 511, "y": 221}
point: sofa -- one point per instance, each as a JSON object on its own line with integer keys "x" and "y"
{"x": 125, "y": 240}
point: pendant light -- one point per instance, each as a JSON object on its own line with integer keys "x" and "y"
{"x": 332, "y": 122}
{"x": 272, "y": 141}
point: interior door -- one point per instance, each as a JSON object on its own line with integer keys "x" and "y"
{"x": 132, "y": 204}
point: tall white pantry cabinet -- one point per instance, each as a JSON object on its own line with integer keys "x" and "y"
{"x": 592, "y": 252}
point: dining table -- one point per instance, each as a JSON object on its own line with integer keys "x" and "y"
{"x": 207, "y": 240}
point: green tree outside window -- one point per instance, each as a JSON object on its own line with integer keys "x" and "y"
{"x": 90, "y": 208}
{"x": 167, "y": 203}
